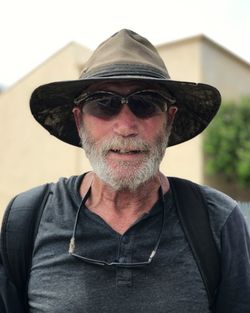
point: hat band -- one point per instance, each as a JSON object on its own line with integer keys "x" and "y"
{"x": 123, "y": 70}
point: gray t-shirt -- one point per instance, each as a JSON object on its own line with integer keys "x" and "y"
{"x": 171, "y": 283}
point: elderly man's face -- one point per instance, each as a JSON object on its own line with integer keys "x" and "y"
{"x": 124, "y": 150}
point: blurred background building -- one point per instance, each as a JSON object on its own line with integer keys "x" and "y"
{"x": 30, "y": 156}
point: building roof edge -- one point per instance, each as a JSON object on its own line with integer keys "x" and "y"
{"x": 202, "y": 37}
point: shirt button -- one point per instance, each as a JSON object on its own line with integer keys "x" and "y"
{"x": 125, "y": 239}
{"x": 122, "y": 259}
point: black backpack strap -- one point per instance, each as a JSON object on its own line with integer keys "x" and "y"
{"x": 193, "y": 214}
{"x": 19, "y": 229}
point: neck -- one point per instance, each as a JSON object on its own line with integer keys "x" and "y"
{"x": 121, "y": 208}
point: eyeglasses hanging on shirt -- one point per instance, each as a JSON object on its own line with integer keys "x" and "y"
{"x": 73, "y": 241}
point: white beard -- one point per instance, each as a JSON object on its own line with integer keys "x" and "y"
{"x": 125, "y": 174}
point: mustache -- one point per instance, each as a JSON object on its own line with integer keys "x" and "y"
{"x": 121, "y": 143}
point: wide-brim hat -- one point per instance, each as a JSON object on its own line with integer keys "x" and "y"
{"x": 122, "y": 57}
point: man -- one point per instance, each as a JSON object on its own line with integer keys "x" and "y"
{"x": 111, "y": 240}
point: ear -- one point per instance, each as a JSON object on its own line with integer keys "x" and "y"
{"x": 78, "y": 117}
{"x": 171, "y": 114}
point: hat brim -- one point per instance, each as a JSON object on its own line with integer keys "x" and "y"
{"x": 52, "y": 104}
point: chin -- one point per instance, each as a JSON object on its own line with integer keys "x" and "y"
{"x": 126, "y": 179}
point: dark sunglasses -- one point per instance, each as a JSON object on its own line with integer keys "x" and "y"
{"x": 72, "y": 244}
{"x": 105, "y": 104}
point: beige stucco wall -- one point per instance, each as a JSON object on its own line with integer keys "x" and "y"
{"x": 183, "y": 61}
{"x": 229, "y": 73}
{"x": 29, "y": 155}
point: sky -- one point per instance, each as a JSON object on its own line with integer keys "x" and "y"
{"x": 33, "y": 30}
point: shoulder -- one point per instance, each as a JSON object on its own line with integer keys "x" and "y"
{"x": 219, "y": 205}
{"x": 23, "y": 198}
{"x": 29, "y": 199}
{"x": 26, "y": 197}
{"x": 220, "y": 208}
{"x": 218, "y": 202}
{"x": 228, "y": 224}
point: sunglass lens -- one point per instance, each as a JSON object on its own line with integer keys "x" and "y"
{"x": 103, "y": 106}
{"x": 145, "y": 105}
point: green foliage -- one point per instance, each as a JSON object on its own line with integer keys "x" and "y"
{"x": 227, "y": 143}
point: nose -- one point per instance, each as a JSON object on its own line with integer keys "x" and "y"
{"x": 126, "y": 123}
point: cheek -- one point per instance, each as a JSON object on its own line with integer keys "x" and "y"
{"x": 98, "y": 128}
{"x": 154, "y": 126}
